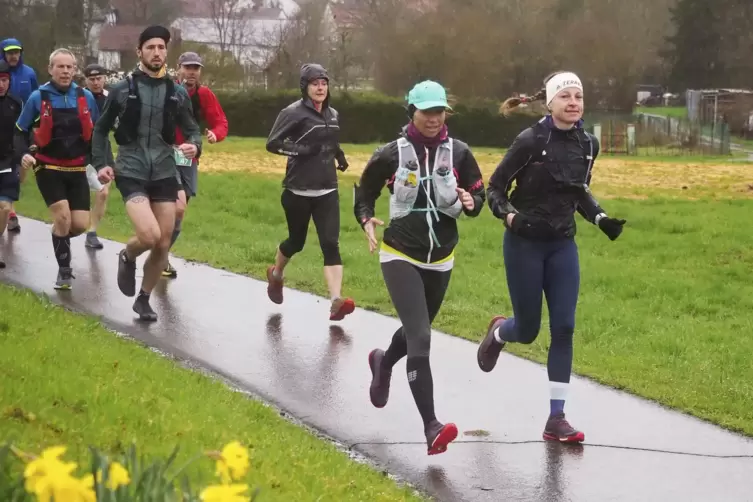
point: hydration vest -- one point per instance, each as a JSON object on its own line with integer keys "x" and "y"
{"x": 127, "y": 130}
{"x": 64, "y": 134}
{"x": 409, "y": 180}
{"x": 560, "y": 172}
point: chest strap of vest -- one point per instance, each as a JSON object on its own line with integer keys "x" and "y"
{"x": 406, "y": 153}
{"x": 43, "y": 135}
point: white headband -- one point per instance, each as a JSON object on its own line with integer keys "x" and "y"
{"x": 559, "y": 82}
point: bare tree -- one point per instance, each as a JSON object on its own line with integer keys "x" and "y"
{"x": 232, "y": 24}
{"x": 93, "y": 12}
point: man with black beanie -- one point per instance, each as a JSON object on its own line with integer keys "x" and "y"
{"x": 148, "y": 107}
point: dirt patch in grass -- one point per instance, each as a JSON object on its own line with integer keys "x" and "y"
{"x": 612, "y": 177}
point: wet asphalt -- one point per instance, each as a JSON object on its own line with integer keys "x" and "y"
{"x": 317, "y": 371}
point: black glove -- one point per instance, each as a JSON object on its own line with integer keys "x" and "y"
{"x": 612, "y": 227}
{"x": 533, "y": 228}
{"x": 342, "y": 166}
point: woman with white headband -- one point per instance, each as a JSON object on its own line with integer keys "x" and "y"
{"x": 551, "y": 164}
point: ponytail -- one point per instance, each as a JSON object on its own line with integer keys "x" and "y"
{"x": 511, "y": 103}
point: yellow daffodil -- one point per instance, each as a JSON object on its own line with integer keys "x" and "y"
{"x": 46, "y": 465}
{"x": 225, "y": 493}
{"x": 59, "y": 486}
{"x": 232, "y": 464}
{"x": 118, "y": 476}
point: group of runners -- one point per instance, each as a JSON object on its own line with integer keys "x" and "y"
{"x": 61, "y": 131}
{"x": 433, "y": 179}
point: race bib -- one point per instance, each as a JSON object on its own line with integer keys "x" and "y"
{"x": 180, "y": 159}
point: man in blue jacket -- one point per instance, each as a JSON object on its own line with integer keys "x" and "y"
{"x": 23, "y": 82}
{"x": 64, "y": 115}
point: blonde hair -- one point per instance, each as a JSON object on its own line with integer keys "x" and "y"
{"x": 64, "y": 51}
{"x": 511, "y": 103}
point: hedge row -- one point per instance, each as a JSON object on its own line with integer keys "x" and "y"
{"x": 369, "y": 117}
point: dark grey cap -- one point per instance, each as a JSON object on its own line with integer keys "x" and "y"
{"x": 190, "y": 58}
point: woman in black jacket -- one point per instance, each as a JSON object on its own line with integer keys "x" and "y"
{"x": 551, "y": 164}
{"x": 307, "y": 132}
{"x": 432, "y": 180}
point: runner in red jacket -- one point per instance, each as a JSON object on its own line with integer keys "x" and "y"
{"x": 210, "y": 116}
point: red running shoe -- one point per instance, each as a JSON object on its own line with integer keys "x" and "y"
{"x": 438, "y": 436}
{"x": 340, "y": 308}
{"x": 559, "y": 429}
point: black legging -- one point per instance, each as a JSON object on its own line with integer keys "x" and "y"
{"x": 325, "y": 210}
{"x": 417, "y": 295}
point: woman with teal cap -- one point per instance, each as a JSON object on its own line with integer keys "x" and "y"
{"x": 432, "y": 179}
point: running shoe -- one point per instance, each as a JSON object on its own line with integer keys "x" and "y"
{"x": 64, "y": 280}
{"x": 379, "y": 391}
{"x": 559, "y": 429}
{"x": 13, "y": 225}
{"x": 438, "y": 436}
{"x": 92, "y": 241}
{"x": 274, "y": 286}
{"x": 340, "y": 308}
{"x": 143, "y": 309}
{"x": 170, "y": 271}
{"x": 489, "y": 349}
{"x": 126, "y": 274}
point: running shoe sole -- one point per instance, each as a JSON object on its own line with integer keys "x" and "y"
{"x": 575, "y": 438}
{"x": 347, "y": 308}
{"x": 372, "y": 366}
{"x": 446, "y": 436}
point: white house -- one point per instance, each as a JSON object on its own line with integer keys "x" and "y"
{"x": 249, "y": 32}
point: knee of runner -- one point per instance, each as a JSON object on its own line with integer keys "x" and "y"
{"x": 150, "y": 237}
{"x": 526, "y": 333}
{"x": 331, "y": 252}
{"x": 562, "y": 336}
{"x": 292, "y": 247}
{"x": 419, "y": 342}
{"x": 180, "y": 210}
{"x": 62, "y": 222}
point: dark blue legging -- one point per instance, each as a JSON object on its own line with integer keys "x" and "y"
{"x": 551, "y": 268}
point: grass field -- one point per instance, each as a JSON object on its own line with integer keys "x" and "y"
{"x": 80, "y": 385}
{"x": 664, "y": 311}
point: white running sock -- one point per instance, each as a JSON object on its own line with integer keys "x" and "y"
{"x": 558, "y": 391}
{"x": 497, "y": 335}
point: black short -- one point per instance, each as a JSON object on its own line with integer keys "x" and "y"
{"x": 187, "y": 179}
{"x": 164, "y": 190}
{"x": 57, "y": 185}
{"x": 10, "y": 186}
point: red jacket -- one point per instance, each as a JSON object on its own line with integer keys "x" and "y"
{"x": 211, "y": 112}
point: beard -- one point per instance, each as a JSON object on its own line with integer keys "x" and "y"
{"x": 155, "y": 67}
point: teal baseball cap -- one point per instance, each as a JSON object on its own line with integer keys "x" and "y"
{"x": 428, "y": 94}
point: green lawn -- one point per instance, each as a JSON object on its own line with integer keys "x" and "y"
{"x": 664, "y": 311}
{"x": 679, "y": 112}
{"x": 64, "y": 379}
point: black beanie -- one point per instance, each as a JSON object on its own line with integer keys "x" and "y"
{"x": 154, "y": 32}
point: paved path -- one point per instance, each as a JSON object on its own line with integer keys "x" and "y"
{"x": 317, "y": 371}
